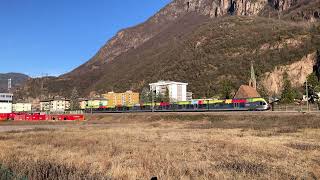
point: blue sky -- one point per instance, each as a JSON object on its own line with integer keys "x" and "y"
{"x": 54, "y": 36}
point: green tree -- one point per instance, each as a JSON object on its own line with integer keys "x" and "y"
{"x": 145, "y": 95}
{"x": 288, "y": 93}
{"x": 313, "y": 87}
{"x": 166, "y": 97}
{"x": 313, "y": 79}
{"x": 313, "y": 82}
{"x": 159, "y": 97}
{"x": 226, "y": 89}
{"x": 74, "y": 100}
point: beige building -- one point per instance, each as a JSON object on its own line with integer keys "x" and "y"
{"x": 22, "y": 107}
{"x": 45, "y": 105}
{"x": 57, "y": 104}
{"x": 127, "y": 98}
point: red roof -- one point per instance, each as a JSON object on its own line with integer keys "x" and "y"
{"x": 246, "y": 92}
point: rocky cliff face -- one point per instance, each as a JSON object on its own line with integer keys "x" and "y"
{"x": 306, "y": 10}
{"x": 297, "y": 73}
{"x": 214, "y": 8}
{"x": 283, "y": 5}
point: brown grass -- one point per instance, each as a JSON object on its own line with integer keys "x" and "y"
{"x": 204, "y": 146}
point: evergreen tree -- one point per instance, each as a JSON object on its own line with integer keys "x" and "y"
{"x": 226, "y": 89}
{"x": 317, "y": 66}
{"x": 74, "y": 100}
{"x": 313, "y": 87}
{"x": 145, "y": 95}
{"x": 313, "y": 80}
{"x": 288, "y": 93}
{"x": 159, "y": 97}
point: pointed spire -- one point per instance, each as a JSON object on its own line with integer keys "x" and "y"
{"x": 253, "y": 80}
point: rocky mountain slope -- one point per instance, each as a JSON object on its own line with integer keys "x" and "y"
{"x": 202, "y": 42}
{"x": 135, "y": 36}
{"x": 303, "y": 10}
{"x": 17, "y": 79}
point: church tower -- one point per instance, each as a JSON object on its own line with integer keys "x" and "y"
{"x": 253, "y": 80}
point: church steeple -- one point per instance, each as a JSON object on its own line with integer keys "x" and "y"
{"x": 253, "y": 80}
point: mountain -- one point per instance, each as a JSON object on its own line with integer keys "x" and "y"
{"x": 133, "y": 37}
{"x": 202, "y": 42}
{"x": 17, "y": 79}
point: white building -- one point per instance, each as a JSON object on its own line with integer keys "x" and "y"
{"x": 6, "y": 103}
{"x": 45, "y": 105}
{"x": 57, "y": 104}
{"x": 177, "y": 90}
{"x": 22, "y": 107}
{"x": 189, "y": 96}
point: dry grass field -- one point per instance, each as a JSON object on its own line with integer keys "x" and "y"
{"x": 170, "y": 146}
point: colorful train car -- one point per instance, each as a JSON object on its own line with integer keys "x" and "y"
{"x": 199, "y": 105}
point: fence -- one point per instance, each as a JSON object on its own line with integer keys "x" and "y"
{"x": 65, "y": 112}
{"x": 297, "y": 108}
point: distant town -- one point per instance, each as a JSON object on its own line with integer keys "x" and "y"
{"x": 161, "y": 95}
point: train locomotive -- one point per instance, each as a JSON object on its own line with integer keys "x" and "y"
{"x": 202, "y": 105}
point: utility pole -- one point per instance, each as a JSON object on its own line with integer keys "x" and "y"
{"x": 152, "y": 99}
{"x": 307, "y": 94}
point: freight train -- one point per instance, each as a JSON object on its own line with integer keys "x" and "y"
{"x": 205, "y": 105}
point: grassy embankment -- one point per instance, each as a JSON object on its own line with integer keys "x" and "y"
{"x": 202, "y": 146}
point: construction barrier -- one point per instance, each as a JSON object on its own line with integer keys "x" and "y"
{"x": 41, "y": 117}
{"x": 67, "y": 117}
{"x": 3, "y": 117}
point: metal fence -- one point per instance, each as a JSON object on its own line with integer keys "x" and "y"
{"x": 297, "y": 108}
{"x": 65, "y": 112}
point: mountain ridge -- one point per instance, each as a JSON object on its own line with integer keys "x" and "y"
{"x": 125, "y": 61}
{"x": 18, "y": 79}
{"x": 133, "y": 37}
